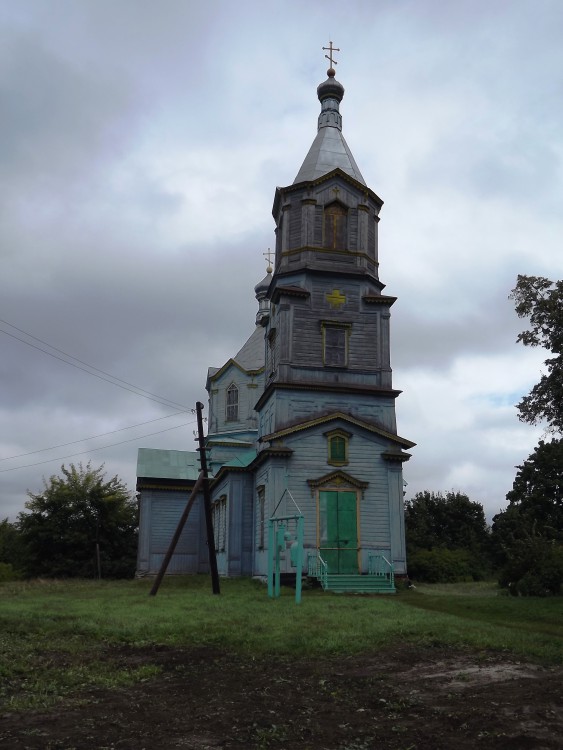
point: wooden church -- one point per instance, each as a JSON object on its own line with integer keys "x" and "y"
{"x": 302, "y": 418}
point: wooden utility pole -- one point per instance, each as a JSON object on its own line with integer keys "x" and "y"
{"x": 207, "y": 501}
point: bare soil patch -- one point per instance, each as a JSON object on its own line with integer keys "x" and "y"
{"x": 406, "y": 698}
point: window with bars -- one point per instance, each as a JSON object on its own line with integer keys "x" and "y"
{"x": 232, "y": 403}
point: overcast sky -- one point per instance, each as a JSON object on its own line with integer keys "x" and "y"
{"x": 140, "y": 146}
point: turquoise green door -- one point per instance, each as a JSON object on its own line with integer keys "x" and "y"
{"x": 339, "y": 531}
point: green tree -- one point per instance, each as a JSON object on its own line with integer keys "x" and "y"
{"x": 528, "y": 535}
{"x": 447, "y": 537}
{"x": 541, "y": 300}
{"x": 80, "y": 524}
{"x": 11, "y": 552}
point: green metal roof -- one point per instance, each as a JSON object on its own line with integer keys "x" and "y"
{"x": 243, "y": 459}
{"x": 161, "y": 464}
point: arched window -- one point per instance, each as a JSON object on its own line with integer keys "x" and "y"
{"x": 261, "y": 514}
{"x": 335, "y": 227}
{"x": 219, "y": 519}
{"x": 232, "y": 403}
{"x": 337, "y": 447}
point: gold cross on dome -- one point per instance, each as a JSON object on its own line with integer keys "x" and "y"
{"x": 329, "y": 56}
{"x": 336, "y": 299}
{"x": 268, "y": 256}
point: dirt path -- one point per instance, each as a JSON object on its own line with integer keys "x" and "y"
{"x": 404, "y": 699}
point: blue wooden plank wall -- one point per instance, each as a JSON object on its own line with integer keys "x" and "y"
{"x": 160, "y": 513}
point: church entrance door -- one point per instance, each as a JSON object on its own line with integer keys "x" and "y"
{"x": 338, "y": 537}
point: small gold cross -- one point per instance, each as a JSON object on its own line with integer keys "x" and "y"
{"x": 336, "y": 190}
{"x": 336, "y": 299}
{"x": 329, "y": 56}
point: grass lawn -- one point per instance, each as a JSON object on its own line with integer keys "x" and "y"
{"x": 58, "y": 637}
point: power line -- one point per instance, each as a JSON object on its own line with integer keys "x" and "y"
{"x": 93, "y": 437}
{"x": 120, "y": 383}
{"x": 102, "y": 447}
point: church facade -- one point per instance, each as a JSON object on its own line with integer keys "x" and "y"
{"x": 303, "y": 416}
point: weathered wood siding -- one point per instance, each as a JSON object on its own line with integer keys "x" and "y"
{"x": 380, "y": 522}
{"x": 160, "y": 511}
{"x": 300, "y": 218}
{"x": 238, "y": 487}
{"x": 249, "y": 389}
{"x": 287, "y": 407}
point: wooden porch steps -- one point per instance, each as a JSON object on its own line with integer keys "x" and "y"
{"x": 359, "y": 584}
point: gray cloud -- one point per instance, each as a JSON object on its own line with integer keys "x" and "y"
{"x": 139, "y": 152}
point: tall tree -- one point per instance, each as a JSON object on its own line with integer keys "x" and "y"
{"x": 11, "y": 548}
{"x": 447, "y": 537}
{"x": 535, "y": 502}
{"x": 528, "y": 534}
{"x": 80, "y": 526}
{"x": 449, "y": 520}
{"x": 541, "y": 300}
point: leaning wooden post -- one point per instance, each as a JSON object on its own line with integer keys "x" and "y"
{"x": 176, "y": 537}
{"x": 271, "y": 560}
{"x": 299, "y": 558}
{"x": 207, "y": 502}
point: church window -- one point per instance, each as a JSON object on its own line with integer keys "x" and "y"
{"x": 335, "y": 227}
{"x": 261, "y": 515}
{"x": 337, "y": 448}
{"x": 335, "y": 345}
{"x": 272, "y": 350}
{"x": 232, "y": 403}
{"x": 219, "y": 518}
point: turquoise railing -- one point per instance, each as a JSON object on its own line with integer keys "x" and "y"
{"x": 379, "y": 565}
{"x": 317, "y": 567}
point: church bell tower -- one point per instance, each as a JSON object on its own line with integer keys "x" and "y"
{"x": 327, "y": 432}
{"x": 327, "y": 334}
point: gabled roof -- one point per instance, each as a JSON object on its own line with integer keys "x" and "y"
{"x": 251, "y": 355}
{"x": 242, "y": 460}
{"x": 250, "y": 358}
{"x": 338, "y": 415}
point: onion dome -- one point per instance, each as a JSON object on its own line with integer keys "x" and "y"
{"x": 261, "y": 290}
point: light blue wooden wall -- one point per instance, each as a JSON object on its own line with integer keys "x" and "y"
{"x": 160, "y": 512}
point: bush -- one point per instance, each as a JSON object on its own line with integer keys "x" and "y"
{"x": 442, "y": 565}
{"x": 534, "y": 568}
{"x": 7, "y": 573}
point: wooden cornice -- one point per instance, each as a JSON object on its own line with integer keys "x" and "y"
{"x": 153, "y": 483}
{"x": 315, "y": 386}
{"x": 337, "y": 172}
{"x": 289, "y": 291}
{"x": 337, "y": 478}
{"x": 280, "y": 451}
{"x": 378, "y": 299}
{"x": 398, "y": 456}
{"x": 338, "y": 415}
